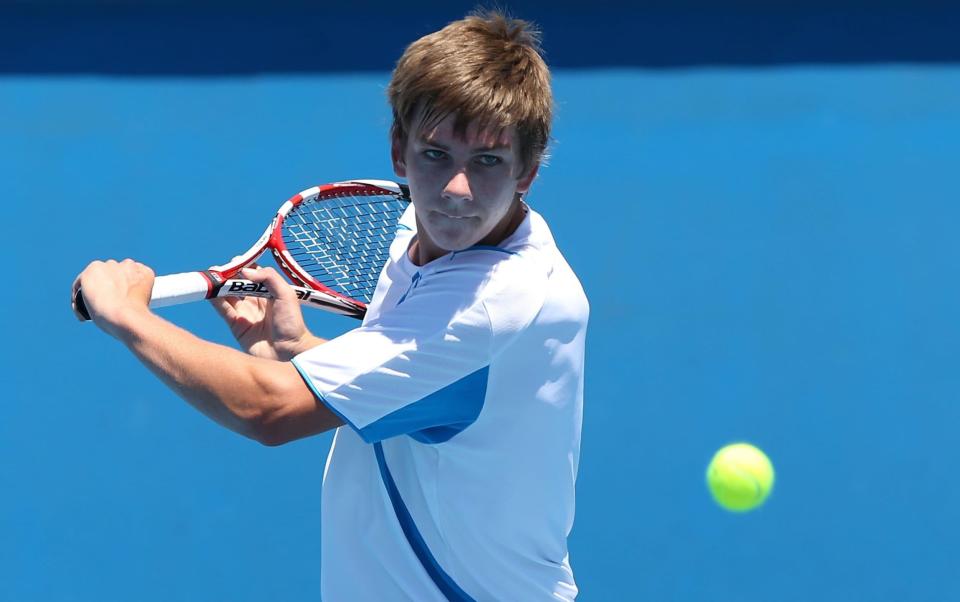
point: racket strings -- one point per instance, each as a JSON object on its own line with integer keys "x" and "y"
{"x": 344, "y": 242}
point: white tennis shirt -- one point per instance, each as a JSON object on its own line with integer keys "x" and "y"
{"x": 463, "y": 392}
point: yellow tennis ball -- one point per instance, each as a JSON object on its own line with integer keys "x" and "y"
{"x": 740, "y": 477}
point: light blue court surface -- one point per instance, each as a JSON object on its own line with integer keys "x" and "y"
{"x": 771, "y": 255}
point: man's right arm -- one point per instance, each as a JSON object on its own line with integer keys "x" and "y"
{"x": 263, "y": 399}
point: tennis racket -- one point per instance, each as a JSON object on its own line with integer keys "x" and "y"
{"x": 331, "y": 241}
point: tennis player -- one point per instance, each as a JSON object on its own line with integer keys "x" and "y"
{"x": 457, "y": 403}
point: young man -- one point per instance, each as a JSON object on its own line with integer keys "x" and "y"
{"x": 461, "y": 393}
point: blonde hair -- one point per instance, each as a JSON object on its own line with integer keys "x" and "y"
{"x": 486, "y": 69}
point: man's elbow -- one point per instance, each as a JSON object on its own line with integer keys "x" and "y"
{"x": 292, "y": 413}
{"x": 269, "y": 437}
{"x": 274, "y": 426}
{"x": 273, "y": 430}
{"x": 257, "y": 427}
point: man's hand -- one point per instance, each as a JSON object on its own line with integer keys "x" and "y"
{"x": 267, "y": 328}
{"x": 114, "y": 292}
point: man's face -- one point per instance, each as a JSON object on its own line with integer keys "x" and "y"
{"x": 464, "y": 190}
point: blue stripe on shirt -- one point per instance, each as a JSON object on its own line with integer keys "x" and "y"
{"x": 440, "y": 578}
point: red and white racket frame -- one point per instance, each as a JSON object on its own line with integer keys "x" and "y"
{"x": 220, "y": 281}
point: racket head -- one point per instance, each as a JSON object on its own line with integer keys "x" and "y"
{"x": 331, "y": 241}
{"x": 333, "y": 238}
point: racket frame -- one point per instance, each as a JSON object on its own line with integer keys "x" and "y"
{"x": 220, "y": 280}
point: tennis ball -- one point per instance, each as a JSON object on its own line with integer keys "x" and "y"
{"x": 740, "y": 477}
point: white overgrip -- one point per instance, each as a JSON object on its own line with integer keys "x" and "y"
{"x": 175, "y": 289}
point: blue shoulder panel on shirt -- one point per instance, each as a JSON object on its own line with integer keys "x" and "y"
{"x": 437, "y": 417}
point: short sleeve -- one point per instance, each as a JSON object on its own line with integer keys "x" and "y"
{"x": 419, "y": 368}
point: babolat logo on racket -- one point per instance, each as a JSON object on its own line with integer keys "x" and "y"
{"x": 258, "y": 288}
{"x": 248, "y": 287}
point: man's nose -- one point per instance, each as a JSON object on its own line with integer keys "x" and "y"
{"x": 458, "y": 187}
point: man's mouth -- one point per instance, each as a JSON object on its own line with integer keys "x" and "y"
{"x": 453, "y": 216}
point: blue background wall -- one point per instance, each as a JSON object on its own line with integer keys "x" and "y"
{"x": 762, "y": 206}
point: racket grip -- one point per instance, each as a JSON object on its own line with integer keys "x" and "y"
{"x": 172, "y": 289}
{"x": 175, "y": 289}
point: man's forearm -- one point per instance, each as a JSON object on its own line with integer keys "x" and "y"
{"x": 234, "y": 389}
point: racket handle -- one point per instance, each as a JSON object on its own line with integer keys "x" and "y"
{"x": 175, "y": 289}
{"x": 172, "y": 289}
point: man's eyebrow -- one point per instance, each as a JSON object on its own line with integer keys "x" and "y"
{"x": 425, "y": 140}
{"x": 492, "y": 147}
{"x": 479, "y": 149}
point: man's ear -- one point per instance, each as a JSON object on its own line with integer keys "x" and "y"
{"x": 527, "y": 179}
{"x": 396, "y": 155}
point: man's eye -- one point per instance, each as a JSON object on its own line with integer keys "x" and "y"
{"x": 432, "y": 153}
{"x": 489, "y": 160}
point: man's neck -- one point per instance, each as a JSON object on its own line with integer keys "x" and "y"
{"x": 422, "y": 254}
